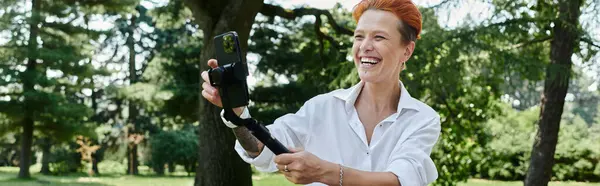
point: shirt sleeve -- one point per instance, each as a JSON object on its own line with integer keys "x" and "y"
{"x": 290, "y": 130}
{"x": 411, "y": 161}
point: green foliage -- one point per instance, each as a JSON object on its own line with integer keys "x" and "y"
{"x": 149, "y": 95}
{"x": 178, "y": 146}
{"x": 507, "y": 155}
{"x": 63, "y": 66}
{"x": 461, "y": 72}
{"x": 312, "y": 65}
{"x": 112, "y": 167}
{"x": 170, "y": 76}
{"x": 64, "y": 159}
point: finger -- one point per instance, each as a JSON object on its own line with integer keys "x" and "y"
{"x": 294, "y": 150}
{"x": 212, "y": 63}
{"x": 281, "y": 168}
{"x": 215, "y": 100}
{"x": 204, "y": 75}
{"x": 210, "y": 89}
{"x": 208, "y": 96}
{"x": 285, "y": 158}
{"x": 288, "y": 176}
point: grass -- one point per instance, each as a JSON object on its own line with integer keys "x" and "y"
{"x": 8, "y": 177}
{"x": 479, "y": 182}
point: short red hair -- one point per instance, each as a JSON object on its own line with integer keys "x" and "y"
{"x": 405, "y": 10}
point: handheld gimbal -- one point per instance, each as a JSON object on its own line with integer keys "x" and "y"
{"x": 230, "y": 79}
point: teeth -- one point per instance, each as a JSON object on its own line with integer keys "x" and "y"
{"x": 368, "y": 60}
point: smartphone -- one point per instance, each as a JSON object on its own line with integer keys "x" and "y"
{"x": 230, "y": 76}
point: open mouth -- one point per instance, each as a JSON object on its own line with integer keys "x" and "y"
{"x": 369, "y": 61}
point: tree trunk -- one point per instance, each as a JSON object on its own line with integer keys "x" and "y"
{"x": 28, "y": 84}
{"x": 95, "y": 155}
{"x": 171, "y": 167}
{"x": 558, "y": 72}
{"x": 95, "y": 166}
{"x": 219, "y": 164}
{"x": 132, "y": 165}
{"x": 46, "y": 144}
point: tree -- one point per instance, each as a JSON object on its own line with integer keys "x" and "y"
{"x": 565, "y": 36}
{"x": 44, "y": 79}
{"x": 527, "y": 26}
{"x": 218, "y": 162}
{"x": 138, "y": 43}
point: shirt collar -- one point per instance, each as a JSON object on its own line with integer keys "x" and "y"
{"x": 349, "y": 96}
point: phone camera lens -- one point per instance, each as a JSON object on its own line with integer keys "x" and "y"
{"x": 228, "y": 44}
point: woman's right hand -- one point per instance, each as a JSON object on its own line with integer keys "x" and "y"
{"x": 211, "y": 93}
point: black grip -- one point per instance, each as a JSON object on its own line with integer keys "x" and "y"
{"x": 263, "y": 135}
{"x": 259, "y": 131}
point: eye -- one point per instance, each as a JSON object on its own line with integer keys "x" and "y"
{"x": 358, "y": 37}
{"x": 378, "y": 37}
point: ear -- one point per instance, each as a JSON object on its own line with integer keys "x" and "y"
{"x": 410, "y": 48}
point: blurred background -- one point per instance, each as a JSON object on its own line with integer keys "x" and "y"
{"x": 107, "y": 92}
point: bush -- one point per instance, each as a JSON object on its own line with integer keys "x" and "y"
{"x": 507, "y": 155}
{"x": 179, "y": 147}
{"x": 65, "y": 160}
{"x": 112, "y": 167}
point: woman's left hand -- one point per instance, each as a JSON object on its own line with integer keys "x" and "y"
{"x": 302, "y": 167}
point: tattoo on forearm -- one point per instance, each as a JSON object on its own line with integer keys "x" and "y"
{"x": 252, "y": 146}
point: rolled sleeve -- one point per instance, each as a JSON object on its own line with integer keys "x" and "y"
{"x": 411, "y": 161}
{"x": 263, "y": 162}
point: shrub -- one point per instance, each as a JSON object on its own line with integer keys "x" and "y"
{"x": 64, "y": 160}
{"x": 179, "y": 147}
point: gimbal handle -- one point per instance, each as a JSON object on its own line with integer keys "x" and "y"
{"x": 259, "y": 131}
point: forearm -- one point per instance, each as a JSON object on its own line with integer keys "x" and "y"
{"x": 354, "y": 177}
{"x": 252, "y": 145}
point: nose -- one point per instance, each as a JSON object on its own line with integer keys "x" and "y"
{"x": 366, "y": 45}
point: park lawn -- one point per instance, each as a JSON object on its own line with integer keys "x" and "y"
{"x": 8, "y": 174}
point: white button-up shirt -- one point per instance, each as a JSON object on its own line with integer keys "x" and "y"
{"x": 328, "y": 126}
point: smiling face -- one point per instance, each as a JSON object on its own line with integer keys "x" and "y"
{"x": 378, "y": 50}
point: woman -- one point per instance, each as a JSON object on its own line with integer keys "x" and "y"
{"x": 373, "y": 133}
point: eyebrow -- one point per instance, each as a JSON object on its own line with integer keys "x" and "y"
{"x": 381, "y": 32}
{"x": 374, "y": 31}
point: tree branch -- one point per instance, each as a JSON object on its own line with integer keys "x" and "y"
{"x": 538, "y": 40}
{"x": 440, "y": 4}
{"x": 10, "y": 94}
{"x": 499, "y": 24}
{"x": 320, "y": 36}
{"x": 589, "y": 42}
{"x": 272, "y": 10}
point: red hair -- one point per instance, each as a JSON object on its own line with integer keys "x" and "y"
{"x": 405, "y": 10}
